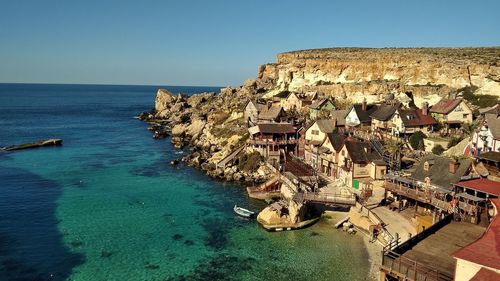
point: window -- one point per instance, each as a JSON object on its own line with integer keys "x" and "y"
{"x": 315, "y": 132}
{"x": 466, "y": 116}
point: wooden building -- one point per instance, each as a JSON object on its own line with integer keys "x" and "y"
{"x": 272, "y": 140}
{"x": 452, "y": 112}
{"x": 409, "y": 121}
{"x": 359, "y": 115}
{"x": 480, "y": 260}
{"x": 319, "y": 106}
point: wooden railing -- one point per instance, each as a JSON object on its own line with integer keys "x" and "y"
{"x": 407, "y": 269}
{"x": 326, "y": 198}
{"x": 416, "y": 195}
{"x": 271, "y": 142}
{"x": 395, "y": 264}
{"x": 414, "y": 240}
{"x": 386, "y": 235}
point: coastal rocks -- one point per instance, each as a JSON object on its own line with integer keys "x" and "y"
{"x": 163, "y": 100}
{"x": 195, "y": 128}
{"x": 199, "y": 99}
{"x": 269, "y": 216}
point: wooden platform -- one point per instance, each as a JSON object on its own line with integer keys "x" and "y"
{"x": 436, "y": 250}
{"x": 48, "y": 142}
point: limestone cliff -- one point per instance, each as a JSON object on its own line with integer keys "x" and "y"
{"x": 354, "y": 73}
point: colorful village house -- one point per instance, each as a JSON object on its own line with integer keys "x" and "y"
{"x": 359, "y": 115}
{"x": 452, "y": 112}
{"x": 252, "y": 110}
{"x": 359, "y": 164}
{"x": 409, "y": 121}
{"x": 315, "y": 135}
{"x": 298, "y": 102}
{"x": 381, "y": 118}
{"x": 272, "y": 113}
{"x": 428, "y": 189}
{"x": 480, "y": 260}
{"x": 273, "y": 140}
{"x": 320, "y": 107}
{"x": 474, "y": 197}
{"x": 487, "y": 138}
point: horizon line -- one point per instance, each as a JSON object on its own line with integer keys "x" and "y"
{"x": 108, "y": 84}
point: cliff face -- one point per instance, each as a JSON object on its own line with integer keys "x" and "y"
{"x": 355, "y": 73}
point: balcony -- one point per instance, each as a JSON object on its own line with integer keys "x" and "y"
{"x": 271, "y": 142}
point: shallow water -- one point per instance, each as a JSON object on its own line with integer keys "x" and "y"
{"x": 107, "y": 205}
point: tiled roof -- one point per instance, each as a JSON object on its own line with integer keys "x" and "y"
{"x": 319, "y": 103}
{"x": 483, "y": 185}
{"x": 493, "y": 121}
{"x": 326, "y": 125}
{"x": 361, "y": 152}
{"x": 339, "y": 115}
{"x": 439, "y": 171}
{"x": 415, "y": 118}
{"x": 445, "y": 106}
{"x": 385, "y": 111}
{"x": 336, "y": 139}
{"x": 283, "y": 94}
{"x": 270, "y": 112}
{"x": 272, "y": 128}
{"x": 492, "y": 109}
{"x": 257, "y": 105}
{"x": 485, "y": 275}
{"x": 364, "y": 115}
{"x": 485, "y": 250}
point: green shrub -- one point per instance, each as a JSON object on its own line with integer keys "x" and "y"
{"x": 478, "y": 100}
{"x": 438, "y": 149}
{"x": 454, "y": 141}
{"x": 249, "y": 162}
{"x": 417, "y": 140}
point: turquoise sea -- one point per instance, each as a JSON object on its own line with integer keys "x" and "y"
{"x": 107, "y": 205}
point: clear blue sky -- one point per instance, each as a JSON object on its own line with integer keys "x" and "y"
{"x": 212, "y": 42}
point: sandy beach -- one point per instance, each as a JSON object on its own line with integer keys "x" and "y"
{"x": 373, "y": 249}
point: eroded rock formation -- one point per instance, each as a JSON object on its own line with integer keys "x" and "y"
{"x": 354, "y": 73}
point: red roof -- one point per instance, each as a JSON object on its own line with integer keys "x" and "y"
{"x": 416, "y": 117}
{"x": 445, "y": 106}
{"x": 485, "y": 250}
{"x": 485, "y": 275}
{"x": 482, "y": 185}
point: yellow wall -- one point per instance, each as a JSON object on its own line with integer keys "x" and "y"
{"x": 312, "y": 137}
{"x": 361, "y": 170}
{"x": 456, "y": 114}
{"x": 292, "y": 102}
{"x": 381, "y": 124}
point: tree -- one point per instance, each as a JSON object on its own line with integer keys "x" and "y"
{"x": 417, "y": 140}
{"x": 438, "y": 149}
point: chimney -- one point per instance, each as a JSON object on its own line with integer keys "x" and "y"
{"x": 453, "y": 166}
{"x": 363, "y": 105}
{"x": 425, "y": 108}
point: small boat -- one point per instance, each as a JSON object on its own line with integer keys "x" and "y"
{"x": 243, "y": 212}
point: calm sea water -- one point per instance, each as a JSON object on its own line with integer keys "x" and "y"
{"x": 108, "y": 206}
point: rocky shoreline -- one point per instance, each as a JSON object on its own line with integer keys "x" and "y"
{"x": 212, "y": 126}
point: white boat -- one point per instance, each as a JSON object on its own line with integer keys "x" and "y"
{"x": 243, "y": 212}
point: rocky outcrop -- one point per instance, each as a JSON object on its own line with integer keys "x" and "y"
{"x": 212, "y": 126}
{"x": 354, "y": 73}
